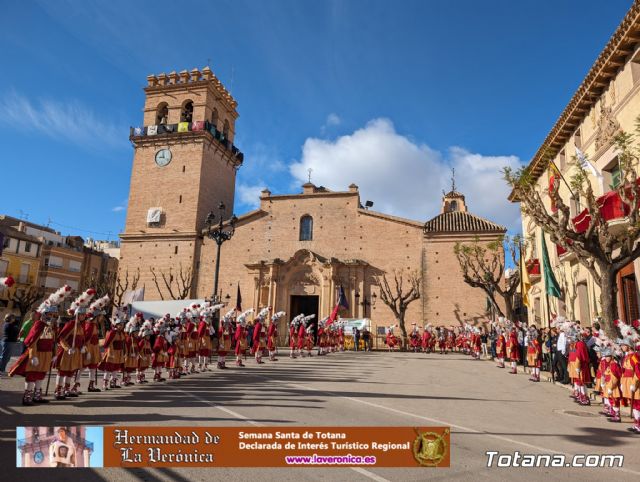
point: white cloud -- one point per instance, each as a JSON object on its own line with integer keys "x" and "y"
{"x": 117, "y": 209}
{"x": 333, "y": 120}
{"x": 69, "y": 121}
{"x": 405, "y": 178}
{"x": 249, "y": 195}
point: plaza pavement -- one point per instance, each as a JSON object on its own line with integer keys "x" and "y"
{"x": 487, "y": 409}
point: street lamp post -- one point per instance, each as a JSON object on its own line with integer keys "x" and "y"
{"x": 219, "y": 233}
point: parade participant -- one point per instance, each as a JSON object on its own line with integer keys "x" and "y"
{"x": 611, "y": 383}
{"x": 131, "y": 353}
{"x": 340, "y": 339}
{"x": 391, "y": 340}
{"x": 579, "y": 367}
{"x": 159, "y": 349}
{"x": 477, "y": 343}
{"x": 450, "y": 341}
{"x": 224, "y": 338}
{"x": 322, "y": 336}
{"x": 174, "y": 349}
{"x": 629, "y": 379}
{"x": 204, "y": 333}
{"x": 92, "y": 338}
{"x": 241, "y": 336}
{"x": 35, "y": 361}
{"x": 144, "y": 350}
{"x": 414, "y": 338}
{"x": 259, "y": 334}
{"x": 293, "y": 335}
{"x": 439, "y": 339}
{"x": 426, "y": 339}
{"x": 599, "y": 385}
{"x": 534, "y": 354}
{"x": 501, "y": 348}
{"x": 192, "y": 337}
{"x": 513, "y": 350}
{"x": 69, "y": 356}
{"x": 307, "y": 324}
{"x": 272, "y": 335}
{"x": 302, "y": 333}
{"x": 113, "y": 357}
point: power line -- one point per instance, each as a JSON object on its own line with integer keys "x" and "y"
{"x": 25, "y": 216}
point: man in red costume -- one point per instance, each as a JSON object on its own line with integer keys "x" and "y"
{"x": 501, "y": 348}
{"x": 70, "y": 354}
{"x": 534, "y": 354}
{"x": 259, "y": 336}
{"x": 113, "y": 358}
{"x": 225, "y": 335}
{"x": 629, "y": 380}
{"x": 160, "y": 346}
{"x": 513, "y": 349}
{"x": 584, "y": 370}
{"x": 272, "y": 335}
{"x": 35, "y": 362}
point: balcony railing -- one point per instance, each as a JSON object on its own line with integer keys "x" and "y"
{"x": 181, "y": 127}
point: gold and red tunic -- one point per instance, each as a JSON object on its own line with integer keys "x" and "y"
{"x": 39, "y": 346}
{"x": 272, "y": 336}
{"x": 224, "y": 339}
{"x": 113, "y": 358}
{"x": 92, "y": 355}
{"x": 131, "y": 353}
{"x": 629, "y": 376}
{"x": 534, "y": 354}
{"x": 612, "y": 376}
{"x": 69, "y": 356}
{"x": 203, "y": 338}
{"x": 159, "y": 349}
{"x": 144, "y": 349}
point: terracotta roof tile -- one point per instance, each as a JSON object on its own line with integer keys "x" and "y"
{"x": 457, "y": 221}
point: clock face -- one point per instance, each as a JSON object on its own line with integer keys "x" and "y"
{"x": 163, "y": 157}
{"x": 38, "y": 457}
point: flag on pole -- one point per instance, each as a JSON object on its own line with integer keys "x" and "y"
{"x": 25, "y": 328}
{"x": 588, "y": 166}
{"x": 525, "y": 283}
{"x": 238, "y": 300}
{"x": 342, "y": 303}
{"x": 551, "y": 284}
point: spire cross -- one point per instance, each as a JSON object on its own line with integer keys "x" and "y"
{"x": 309, "y": 171}
{"x": 453, "y": 179}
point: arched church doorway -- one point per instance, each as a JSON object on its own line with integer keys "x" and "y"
{"x": 309, "y": 305}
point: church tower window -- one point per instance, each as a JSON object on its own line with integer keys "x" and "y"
{"x": 187, "y": 112}
{"x": 225, "y": 129}
{"x": 214, "y": 118}
{"x": 306, "y": 228}
{"x": 162, "y": 113}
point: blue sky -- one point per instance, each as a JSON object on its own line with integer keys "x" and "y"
{"x": 386, "y": 95}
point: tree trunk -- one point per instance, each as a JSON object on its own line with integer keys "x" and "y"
{"x": 608, "y": 299}
{"x": 403, "y": 329}
{"x": 508, "y": 306}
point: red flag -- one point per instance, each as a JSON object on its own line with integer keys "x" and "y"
{"x": 342, "y": 303}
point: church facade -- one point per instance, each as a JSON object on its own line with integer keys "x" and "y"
{"x": 294, "y": 251}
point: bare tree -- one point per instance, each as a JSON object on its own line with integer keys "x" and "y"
{"x": 397, "y": 298}
{"x": 483, "y": 266}
{"x": 178, "y": 285}
{"x": 603, "y": 251}
{"x": 568, "y": 281}
{"x": 24, "y": 299}
{"x": 123, "y": 282}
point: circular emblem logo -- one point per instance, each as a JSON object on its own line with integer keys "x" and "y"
{"x": 430, "y": 448}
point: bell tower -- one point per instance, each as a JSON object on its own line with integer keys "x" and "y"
{"x": 184, "y": 165}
